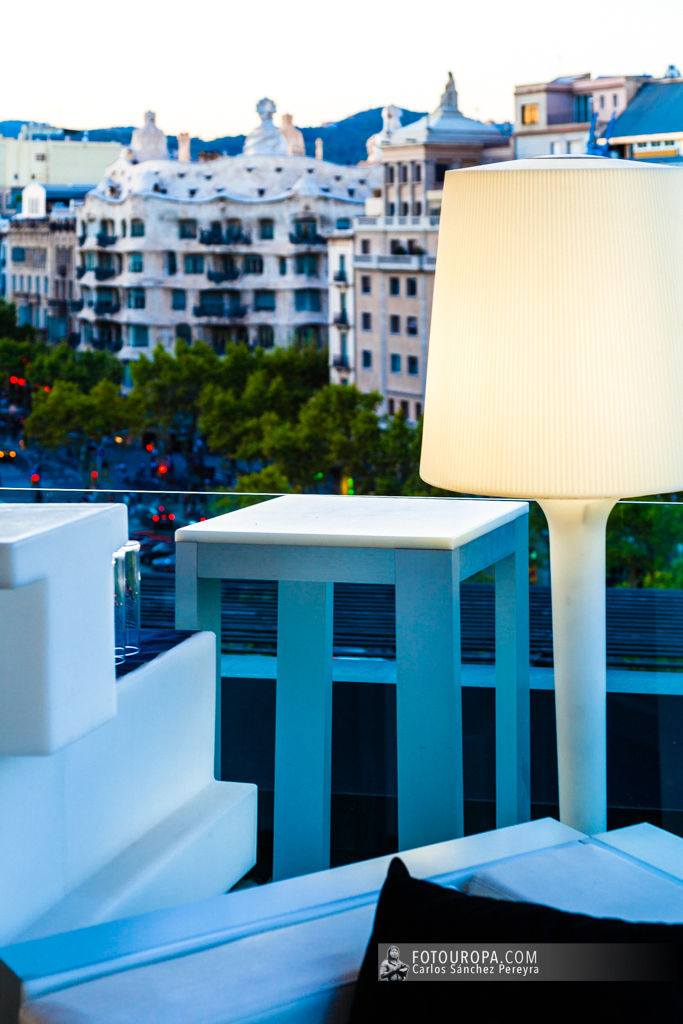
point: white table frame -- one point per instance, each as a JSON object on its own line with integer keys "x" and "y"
{"x": 428, "y": 669}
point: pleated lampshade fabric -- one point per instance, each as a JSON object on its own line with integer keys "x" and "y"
{"x": 555, "y": 363}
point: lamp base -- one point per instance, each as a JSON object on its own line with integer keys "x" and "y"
{"x": 577, "y": 576}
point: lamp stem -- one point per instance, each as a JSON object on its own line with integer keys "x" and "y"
{"x": 577, "y": 576}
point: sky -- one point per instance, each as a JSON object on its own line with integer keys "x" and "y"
{"x": 203, "y": 66}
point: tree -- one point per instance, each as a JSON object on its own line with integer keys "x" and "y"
{"x": 66, "y": 415}
{"x": 166, "y": 391}
{"x": 9, "y": 327}
{"x": 85, "y": 369}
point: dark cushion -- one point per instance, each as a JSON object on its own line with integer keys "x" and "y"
{"x": 413, "y": 911}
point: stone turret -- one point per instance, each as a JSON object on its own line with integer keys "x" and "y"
{"x": 148, "y": 142}
{"x": 266, "y": 139}
{"x": 293, "y": 137}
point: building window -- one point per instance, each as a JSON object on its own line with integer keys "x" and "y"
{"x": 417, "y": 172}
{"x": 283, "y": 266}
{"x": 193, "y": 264}
{"x": 366, "y": 359}
{"x": 253, "y": 264}
{"x": 365, "y": 246}
{"x": 343, "y": 223}
{"x": 391, "y": 209}
{"x": 366, "y": 284}
{"x": 264, "y": 300}
{"x": 403, "y": 171}
{"x": 18, "y": 254}
{"x": 136, "y": 298}
{"x": 411, "y": 286}
{"x": 615, "y": 99}
{"x": 418, "y": 410}
{"x": 187, "y": 228}
{"x": 171, "y": 265}
{"x": 184, "y": 331}
{"x": 137, "y": 228}
{"x": 139, "y": 336}
{"x": 390, "y": 406}
{"x": 404, "y": 209}
{"x": 366, "y": 321}
{"x": 411, "y": 327}
{"x": 394, "y": 286}
{"x": 417, "y": 209}
{"x": 178, "y": 299}
{"x": 413, "y": 366}
{"x": 266, "y": 229}
{"x": 307, "y": 299}
{"x": 265, "y": 336}
{"x": 530, "y": 113}
{"x": 394, "y": 324}
{"x": 124, "y": 228}
{"x": 583, "y": 108}
{"x": 395, "y": 362}
{"x": 135, "y": 262}
{"x": 389, "y": 174}
{"x": 307, "y": 263}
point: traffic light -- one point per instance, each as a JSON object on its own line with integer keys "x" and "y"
{"x": 347, "y": 485}
{"x": 35, "y": 479}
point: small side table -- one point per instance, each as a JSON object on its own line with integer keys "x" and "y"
{"x": 425, "y": 547}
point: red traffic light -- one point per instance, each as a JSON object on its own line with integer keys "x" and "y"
{"x": 149, "y": 447}
{"x": 35, "y": 477}
{"x": 93, "y": 474}
{"x": 47, "y": 387}
{"x": 163, "y": 469}
{"x": 14, "y": 380}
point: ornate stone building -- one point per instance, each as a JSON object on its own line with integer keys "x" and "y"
{"x": 226, "y": 250}
{"x": 380, "y": 307}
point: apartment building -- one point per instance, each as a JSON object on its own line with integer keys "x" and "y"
{"x": 230, "y": 249}
{"x": 50, "y": 158}
{"x": 380, "y": 312}
{"x": 555, "y": 117}
{"x": 40, "y": 247}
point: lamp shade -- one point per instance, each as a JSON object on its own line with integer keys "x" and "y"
{"x": 555, "y": 362}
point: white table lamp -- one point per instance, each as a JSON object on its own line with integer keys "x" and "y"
{"x": 555, "y": 372}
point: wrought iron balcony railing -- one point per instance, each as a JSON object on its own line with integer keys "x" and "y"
{"x": 219, "y": 276}
{"x": 103, "y": 239}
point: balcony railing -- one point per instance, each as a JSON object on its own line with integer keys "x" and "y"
{"x": 219, "y": 276}
{"x": 103, "y": 239}
{"x": 105, "y": 273}
{"x": 341, "y": 362}
{"x": 296, "y": 238}
{"x": 76, "y": 305}
{"x": 227, "y": 312}
{"x": 341, "y": 319}
{"x": 81, "y": 271}
{"x": 211, "y": 236}
{"x": 340, "y": 277}
{"x": 106, "y": 308}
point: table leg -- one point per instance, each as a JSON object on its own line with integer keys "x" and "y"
{"x": 198, "y": 606}
{"x": 428, "y": 698}
{"x": 512, "y": 682}
{"x": 303, "y": 729}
